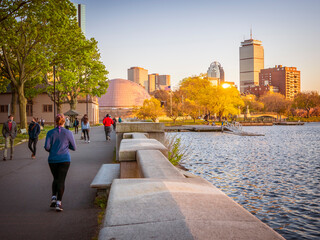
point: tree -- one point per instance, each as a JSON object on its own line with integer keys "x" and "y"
{"x": 251, "y": 101}
{"x": 306, "y": 101}
{"x": 275, "y": 102}
{"x": 174, "y": 105}
{"x": 26, "y": 43}
{"x": 11, "y": 8}
{"x": 151, "y": 109}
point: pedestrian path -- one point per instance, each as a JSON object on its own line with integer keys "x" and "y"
{"x": 25, "y": 186}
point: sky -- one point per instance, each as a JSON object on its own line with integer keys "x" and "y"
{"x": 182, "y": 38}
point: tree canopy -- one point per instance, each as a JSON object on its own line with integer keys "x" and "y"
{"x": 151, "y": 109}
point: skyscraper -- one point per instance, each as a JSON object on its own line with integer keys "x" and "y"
{"x": 81, "y": 16}
{"x": 216, "y": 72}
{"x": 164, "y": 82}
{"x": 251, "y": 62}
{"x": 153, "y": 81}
{"x": 287, "y": 79}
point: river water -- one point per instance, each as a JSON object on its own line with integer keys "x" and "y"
{"x": 276, "y": 177}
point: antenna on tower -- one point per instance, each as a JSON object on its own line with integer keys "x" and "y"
{"x": 251, "y": 32}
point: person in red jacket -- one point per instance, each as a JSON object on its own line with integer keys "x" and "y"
{"x": 107, "y": 122}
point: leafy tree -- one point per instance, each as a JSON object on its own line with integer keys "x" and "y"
{"x": 151, "y": 109}
{"x": 26, "y": 43}
{"x": 11, "y": 8}
{"x": 275, "y": 102}
{"x": 251, "y": 101}
{"x": 192, "y": 109}
{"x": 174, "y": 105}
{"x": 306, "y": 101}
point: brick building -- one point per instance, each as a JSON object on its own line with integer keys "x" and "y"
{"x": 286, "y": 79}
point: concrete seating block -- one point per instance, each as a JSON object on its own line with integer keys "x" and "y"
{"x": 154, "y": 208}
{"x": 140, "y": 127}
{"x": 135, "y": 135}
{"x": 153, "y": 164}
{"x": 129, "y": 147}
{"x": 105, "y": 176}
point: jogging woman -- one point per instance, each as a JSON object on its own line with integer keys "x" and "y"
{"x": 58, "y": 142}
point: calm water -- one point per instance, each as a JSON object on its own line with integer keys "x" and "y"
{"x": 275, "y": 177}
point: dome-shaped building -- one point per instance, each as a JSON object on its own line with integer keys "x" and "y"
{"x": 121, "y": 97}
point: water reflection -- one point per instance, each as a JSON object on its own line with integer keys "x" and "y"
{"x": 276, "y": 177}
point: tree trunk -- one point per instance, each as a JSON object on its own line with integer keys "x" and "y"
{"x": 59, "y": 107}
{"x": 13, "y": 107}
{"x": 22, "y": 107}
{"x": 73, "y": 103}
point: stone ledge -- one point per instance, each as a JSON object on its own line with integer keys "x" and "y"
{"x": 153, "y": 164}
{"x": 129, "y": 147}
{"x": 140, "y": 127}
{"x": 135, "y": 135}
{"x": 105, "y": 176}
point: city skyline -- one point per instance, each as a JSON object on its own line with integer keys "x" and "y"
{"x": 181, "y": 38}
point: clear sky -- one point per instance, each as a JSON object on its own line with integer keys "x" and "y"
{"x": 182, "y": 37}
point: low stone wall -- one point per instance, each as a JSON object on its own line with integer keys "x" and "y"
{"x": 161, "y": 202}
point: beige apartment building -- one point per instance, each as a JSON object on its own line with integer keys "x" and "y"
{"x": 41, "y": 106}
{"x": 138, "y": 75}
{"x": 153, "y": 81}
{"x": 251, "y": 62}
{"x": 164, "y": 82}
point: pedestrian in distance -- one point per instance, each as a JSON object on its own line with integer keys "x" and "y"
{"x": 107, "y": 122}
{"x": 33, "y": 131}
{"x": 114, "y": 123}
{"x": 67, "y": 124}
{"x": 76, "y": 125}
{"x": 85, "y": 126}
{"x": 58, "y": 142}
{"x": 9, "y": 132}
{"x": 84, "y": 116}
{"x": 119, "y": 119}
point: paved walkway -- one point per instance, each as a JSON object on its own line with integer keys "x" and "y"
{"x": 25, "y": 192}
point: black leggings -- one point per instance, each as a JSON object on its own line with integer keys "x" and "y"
{"x": 34, "y": 143}
{"x": 86, "y": 133}
{"x": 59, "y": 172}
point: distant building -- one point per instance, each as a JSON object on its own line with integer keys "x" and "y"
{"x": 261, "y": 90}
{"x": 216, "y": 73}
{"x": 138, "y": 75}
{"x": 81, "y": 16}
{"x": 153, "y": 82}
{"x": 286, "y": 79}
{"x": 164, "y": 82}
{"x": 251, "y": 62}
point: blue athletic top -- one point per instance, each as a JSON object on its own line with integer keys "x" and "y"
{"x": 58, "y": 142}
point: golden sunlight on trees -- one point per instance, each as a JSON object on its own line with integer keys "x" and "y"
{"x": 251, "y": 101}
{"x": 151, "y": 109}
{"x": 275, "y": 102}
{"x": 307, "y": 101}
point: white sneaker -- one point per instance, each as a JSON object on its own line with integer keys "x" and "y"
{"x": 88, "y": 141}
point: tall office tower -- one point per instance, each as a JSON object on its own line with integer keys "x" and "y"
{"x": 138, "y": 75}
{"x": 81, "y": 16}
{"x": 216, "y": 72}
{"x": 164, "y": 82}
{"x": 153, "y": 81}
{"x": 251, "y": 62}
{"x": 287, "y": 79}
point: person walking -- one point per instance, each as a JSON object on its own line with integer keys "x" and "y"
{"x": 114, "y": 123}
{"x": 107, "y": 121}
{"x": 85, "y": 126}
{"x": 67, "y": 124}
{"x": 9, "y": 132}
{"x": 58, "y": 142}
{"x": 76, "y": 125}
{"x": 33, "y": 131}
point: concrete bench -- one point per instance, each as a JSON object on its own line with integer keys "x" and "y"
{"x": 135, "y": 135}
{"x": 129, "y": 147}
{"x": 186, "y": 208}
{"x": 153, "y": 164}
{"x": 106, "y": 174}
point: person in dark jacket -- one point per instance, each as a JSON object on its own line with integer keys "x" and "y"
{"x": 34, "y": 131}
{"x": 114, "y": 123}
{"x": 58, "y": 142}
{"x": 9, "y": 132}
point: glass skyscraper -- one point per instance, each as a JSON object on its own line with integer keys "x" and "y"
{"x": 81, "y": 16}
